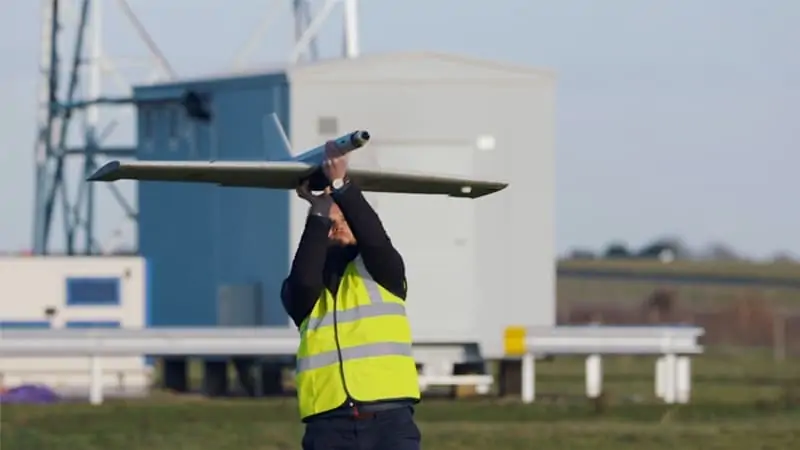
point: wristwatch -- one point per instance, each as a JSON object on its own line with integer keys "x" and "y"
{"x": 338, "y": 184}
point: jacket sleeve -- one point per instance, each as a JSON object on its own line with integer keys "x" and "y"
{"x": 381, "y": 258}
{"x": 304, "y": 284}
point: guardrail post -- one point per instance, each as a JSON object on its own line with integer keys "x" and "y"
{"x": 683, "y": 379}
{"x": 670, "y": 388}
{"x": 528, "y": 378}
{"x": 594, "y": 376}
{"x": 661, "y": 375}
{"x": 96, "y": 380}
{"x": 666, "y": 369}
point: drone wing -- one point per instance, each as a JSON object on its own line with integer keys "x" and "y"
{"x": 274, "y": 175}
{"x": 423, "y": 183}
{"x": 289, "y": 174}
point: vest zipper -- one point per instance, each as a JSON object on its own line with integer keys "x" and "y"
{"x": 350, "y": 400}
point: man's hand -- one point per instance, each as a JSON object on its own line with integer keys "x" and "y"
{"x": 320, "y": 204}
{"x": 335, "y": 163}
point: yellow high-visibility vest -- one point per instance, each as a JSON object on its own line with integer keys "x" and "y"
{"x": 357, "y": 345}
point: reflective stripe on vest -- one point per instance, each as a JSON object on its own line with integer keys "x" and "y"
{"x": 321, "y": 360}
{"x": 376, "y": 307}
{"x": 372, "y": 347}
{"x": 357, "y": 313}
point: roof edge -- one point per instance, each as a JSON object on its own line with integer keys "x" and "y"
{"x": 453, "y": 57}
{"x": 259, "y": 74}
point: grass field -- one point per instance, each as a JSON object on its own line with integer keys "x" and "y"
{"x": 699, "y": 286}
{"x": 721, "y": 269}
{"x": 268, "y": 425}
{"x": 742, "y": 402}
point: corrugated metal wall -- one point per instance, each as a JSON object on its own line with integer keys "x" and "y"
{"x": 203, "y": 239}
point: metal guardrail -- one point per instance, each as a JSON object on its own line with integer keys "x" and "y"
{"x": 673, "y": 381}
{"x": 672, "y": 344}
{"x": 98, "y": 343}
{"x": 150, "y": 342}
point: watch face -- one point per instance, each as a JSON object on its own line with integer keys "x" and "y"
{"x": 338, "y": 183}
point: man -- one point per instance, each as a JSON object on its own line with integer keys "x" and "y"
{"x": 356, "y": 380}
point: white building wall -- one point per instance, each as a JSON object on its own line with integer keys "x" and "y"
{"x": 474, "y": 267}
{"x": 29, "y": 286}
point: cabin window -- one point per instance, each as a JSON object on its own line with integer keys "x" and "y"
{"x": 93, "y": 292}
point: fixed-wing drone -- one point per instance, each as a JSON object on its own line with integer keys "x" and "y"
{"x": 290, "y": 173}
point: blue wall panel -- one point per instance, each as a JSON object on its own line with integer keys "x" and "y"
{"x": 252, "y": 224}
{"x": 101, "y": 324}
{"x": 24, "y": 325}
{"x": 199, "y": 237}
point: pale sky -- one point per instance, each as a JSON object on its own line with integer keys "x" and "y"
{"x": 675, "y": 117}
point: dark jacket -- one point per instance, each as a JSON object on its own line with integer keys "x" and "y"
{"x": 318, "y": 265}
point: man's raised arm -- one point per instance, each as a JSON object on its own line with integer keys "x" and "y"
{"x": 381, "y": 258}
{"x": 302, "y": 287}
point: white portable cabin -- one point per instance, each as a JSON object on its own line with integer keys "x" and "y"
{"x": 73, "y": 292}
{"x": 474, "y": 267}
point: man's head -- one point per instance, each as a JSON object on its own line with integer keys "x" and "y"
{"x": 340, "y": 233}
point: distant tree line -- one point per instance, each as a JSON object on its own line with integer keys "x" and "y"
{"x": 671, "y": 249}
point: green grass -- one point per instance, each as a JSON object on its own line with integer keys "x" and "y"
{"x": 706, "y": 296}
{"x": 724, "y": 269}
{"x": 740, "y": 402}
{"x": 262, "y": 425}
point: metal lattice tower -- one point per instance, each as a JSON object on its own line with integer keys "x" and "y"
{"x": 71, "y": 93}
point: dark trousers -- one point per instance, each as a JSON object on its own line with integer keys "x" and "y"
{"x": 385, "y": 430}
